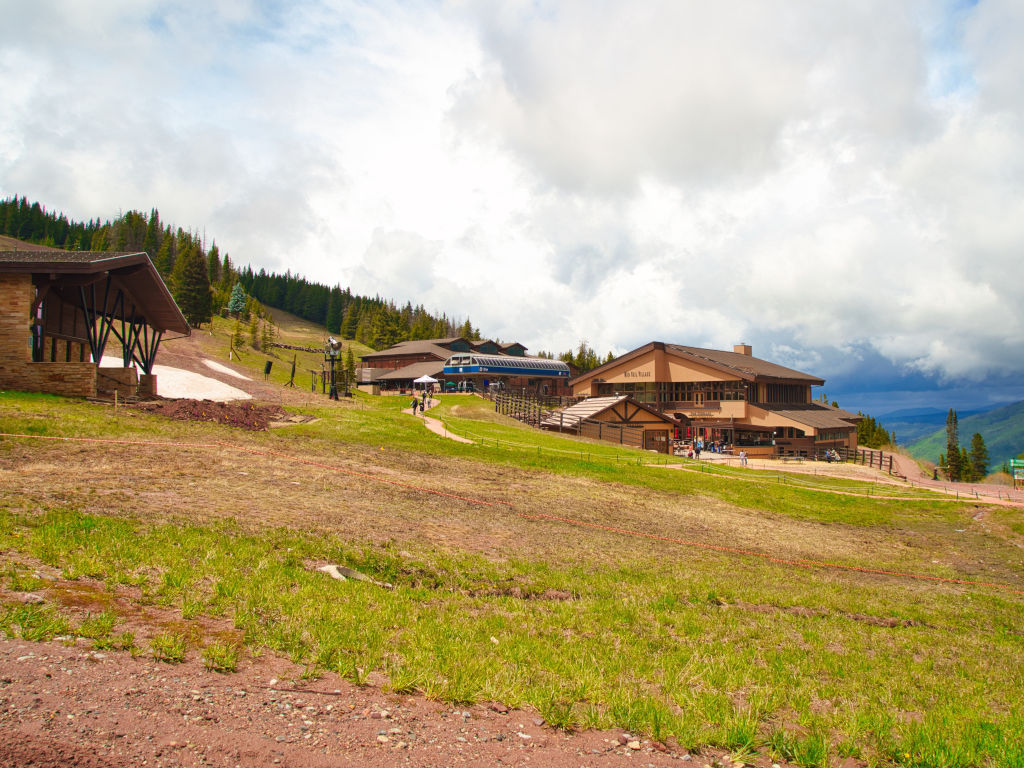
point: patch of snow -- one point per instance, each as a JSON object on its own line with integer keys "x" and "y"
{"x": 177, "y": 384}
{"x": 224, "y": 369}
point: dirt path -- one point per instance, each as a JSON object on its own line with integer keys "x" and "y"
{"x": 910, "y": 469}
{"x": 436, "y": 426}
{"x": 906, "y": 472}
{"x": 72, "y": 707}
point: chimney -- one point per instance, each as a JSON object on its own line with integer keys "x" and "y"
{"x": 743, "y": 349}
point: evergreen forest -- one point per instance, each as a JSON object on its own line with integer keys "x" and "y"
{"x": 203, "y": 281}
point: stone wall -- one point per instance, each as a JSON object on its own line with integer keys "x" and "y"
{"x": 17, "y": 371}
{"x": 123, "y": 381}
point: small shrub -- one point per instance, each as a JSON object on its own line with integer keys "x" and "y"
{"x": 168, "y": 647}
{"x": 98, "y": 626}
{"x": 221, "y": 657}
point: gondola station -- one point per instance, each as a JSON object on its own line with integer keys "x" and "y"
{"x": 465, "y": 366}
{"x": 504, "y": 371}
{"x": 59, "y": 310}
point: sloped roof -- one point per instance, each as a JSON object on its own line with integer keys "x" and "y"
{"x": 754, "y": 367}
{"x": 66, "y": 270}
{"x": 736, "y": 364}
{"x": 420, "y": 347}
{"x": 440, "y": 348}
{"x": 816, "y": 415}
{"x": 414, "y": 371}
{"x": 593, "y": 406}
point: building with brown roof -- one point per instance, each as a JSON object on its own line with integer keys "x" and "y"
{"x": 399, "y": 365}
{"x": 60, "y": 309}
{"x": 732, "y": 398}
{"x": 635, "y": 423}
{"x": 433, "y": 350}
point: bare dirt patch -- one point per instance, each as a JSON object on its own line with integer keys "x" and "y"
{"x": 240, "y": 414}
{"x": 69, "y": 706}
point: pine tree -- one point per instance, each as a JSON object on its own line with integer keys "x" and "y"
{"x": 348, "y": 328}
{"x": 979, "y": 457}
{"x": 192, "y": 287}
{"x": 99, "y": 240}
{"x": 151, "y": 244}
{"x": 236, "y": 304}
{"x": 954, "y": 470}
{"x": 213, "y": 264}
{"x": 334, "y": 311}
{"x": 227, "y": 272}
{"x": 164, "y": 261}
{"x": 350, "y": 369}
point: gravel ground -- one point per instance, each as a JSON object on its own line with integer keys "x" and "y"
{"x": 67, "y": 705}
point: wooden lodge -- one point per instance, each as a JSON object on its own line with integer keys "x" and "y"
{"x": 398, "y": 366}
{"x": 731, "y": 399}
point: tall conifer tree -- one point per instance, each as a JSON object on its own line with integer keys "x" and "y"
{"x": 979, "y": 457}
{"x": 192, "y": 287}
{"x": 954, "y": 469}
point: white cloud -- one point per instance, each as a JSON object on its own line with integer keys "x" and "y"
{"x": 829, "y": 182}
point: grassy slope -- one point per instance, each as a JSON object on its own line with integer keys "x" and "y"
{"x": 1003, "y": 430}
{"x": 590, "y": 626}
{"x": 293, "y": 331}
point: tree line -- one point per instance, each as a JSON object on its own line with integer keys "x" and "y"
{"x": 583, "y": 358}
{"x": 205, "y": 283}
{"x": 373, "y": 321}
{"x": 958, "y": 463}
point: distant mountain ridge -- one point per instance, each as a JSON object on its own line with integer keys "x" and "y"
{"x": 911, "y": 424}
{"x": 1002, "y": 428}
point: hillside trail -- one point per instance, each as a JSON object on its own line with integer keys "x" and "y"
{"x": 435, "y": 425}
{"x": 905, "y": 472}
{"x": 991, "y": 494}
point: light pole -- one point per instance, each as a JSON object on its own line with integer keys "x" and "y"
{"x": 331, "y": 352}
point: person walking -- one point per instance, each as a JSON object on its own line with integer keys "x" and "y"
{"x": 415, "y": 405}
{"x": 743, "y": 458}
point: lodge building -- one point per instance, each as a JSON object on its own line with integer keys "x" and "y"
{"x": 459, "y": 361}
{"x": 732, "y": 398}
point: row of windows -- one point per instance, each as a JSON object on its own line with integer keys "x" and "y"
{"x": 676, "y": 391}
{"x": 689, "y": 391}
{"x": 832, "y": 435}
{"x": 786, "y": 393}
{"x": 705, "y": 391}
{"x": 504, "y": 361}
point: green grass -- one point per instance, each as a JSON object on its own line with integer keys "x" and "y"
{"x": 589, "y": 628}
{"x": 168, "y": 647}
{"x": 652, "y": 648}
{"x": 293, "y": 331}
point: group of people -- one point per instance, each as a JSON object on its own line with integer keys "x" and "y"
{"x": 712, "y": 446}
{"x": 420, "y": 402}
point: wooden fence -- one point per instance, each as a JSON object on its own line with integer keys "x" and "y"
{"x": 533, "y": 410}
{"x": 523, "y": 407}
{"x": 870, "y": 457}
{"x": 623, "y": 434}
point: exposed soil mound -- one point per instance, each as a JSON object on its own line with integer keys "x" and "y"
{"x": 242, "y": 414}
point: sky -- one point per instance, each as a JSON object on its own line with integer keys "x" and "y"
{"x": 839, "y": 184}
